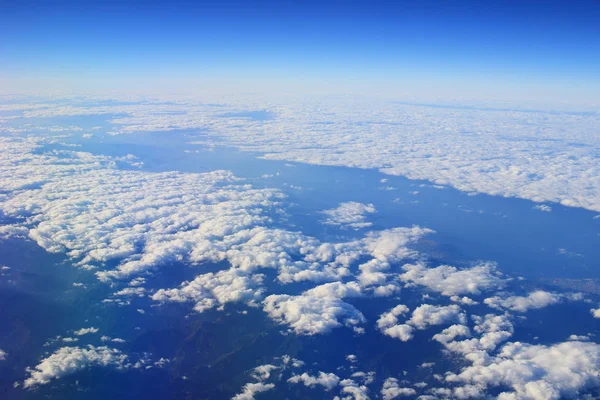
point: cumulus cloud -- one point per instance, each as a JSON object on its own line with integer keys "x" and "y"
{"x": 451, "y": 333}
{"x": 451, "y": 281}
{"x": 543, "y": 207}
{"x": 580, "y": 338}
{"x": 251, "y": 389}
{"x": 422, "y": 317}
{"x": 310, "y": 315}
{"x": 491, "y": 330}
{"x": 350, "y": 215}
{"x": 138, "y": 221}
{"x": 533, "y": 371}
{"x": 388, "y": 324}
{"x": 3, "y": 355}
{"x": 85, "y": 331}
{"x": 263, "y": 372}
{"x": 327, "y": 380}
{"x": 392, "y": 390}
{"x": 215, "y": 289}
{"x": 288, "y": 361}
{"x": 353, "y": 391}
{"x": 534, "y": 300}
{"x": 365, "y": 377}
{"x": 427, "y": 315}
{"x": 68, "y": 360}
{"x": 12, "y": 231}
{"x": 135, "y": 221}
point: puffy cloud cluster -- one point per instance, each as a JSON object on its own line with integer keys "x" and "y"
{"x": 85, "y": 331}
{"x": 141, "y": 219}
{"x": 534, "y": 300}
{"x": 353, "y": 387}
{"x": 422, "y": 317}
{"x": 263, "y": 373}
{"x": 491, "y": 330}
{"x": 250, "y": 389}
{"x": 83, "y": 205}
{"x": 535, "y": 371}
{"x": 308, "y": 314}
{"x": 388, "y": 324}
{"x": 543, "y": 207}
{"x": 350, "y": 215}
{"x": 327, "y": 380}
{"x": 392, "y": 390}
{"x": 260, "y": 247}
{"x": 427, "y": 315}
{"x": 451, "y": 333}
{"x": 541, "y": 156}
{"x": 451, "y": 281}
{"x": 137, "y": 221}
{"x": 519, "y": 370}
{"x": 351, "y": 390}
{"x": 215, "y": 289}
{"x": 68, "y": 360}
{"x": 2, "y": 355}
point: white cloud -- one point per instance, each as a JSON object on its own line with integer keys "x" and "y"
{"x": 351, "y": 215}
{"x": 310, "y": 315}
{"x": 422, "y": 317}
{"x": 472, "y": 150}
{"x": 595, "y": 312}
{"x": 451, "y": 333}
{"x": 353, "y": 390}
{"x": 534, "y": 300}
{"x": 336, "y": 290}
{"x": 3, "y": 355}
{"x": 388, "y": 324}
{"x": 580, "y": 338}
{"x": 491, "y": 329}
{"x": 288, "y": 361}
{"x": 113, "y": 340}
{"x": 82, "y": 205}
{"x": 390, "y": 318}
{"x": 214, "y": 289}
{"x": 11, "y": 231}
{"x": 140, "y": 220}
{"x": 403, "y": 332}
{"x": 391, "y": 244}
{"x": 451, "y": 281}
{"x": 85, "y": 331}
{"x": 263, "y": 372}
{"x": 251, "y": 389}
{"x": 365, "y": 377}
{"x": 392, "y": 390}
{"x": 327, "y": 380}
{"x": 427, "y": 315}
{"x": 536, "y": 371}
{"x": 464, "y": 300}
{"x": 131, "y": 292}
{"x": 543, "y": 207}
{"x": 68, "y": 360}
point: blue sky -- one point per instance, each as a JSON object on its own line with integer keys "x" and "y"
{"x": 421, "y": 46}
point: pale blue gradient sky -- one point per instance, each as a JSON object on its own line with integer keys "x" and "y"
{"x": 489, "y": 50}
